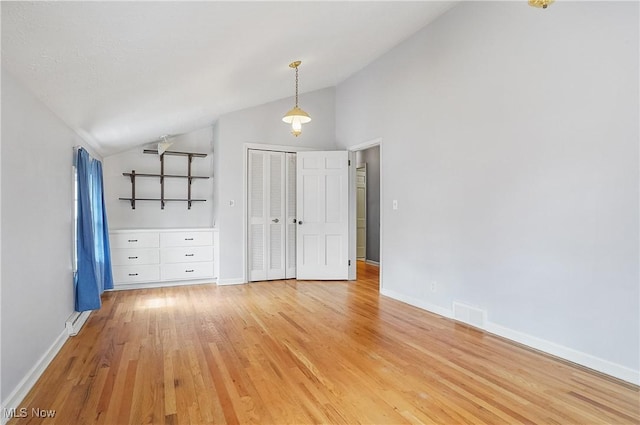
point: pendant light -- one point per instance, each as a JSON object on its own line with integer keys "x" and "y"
{"x": 540, "y": 3}
{"x": 296, "y": 117}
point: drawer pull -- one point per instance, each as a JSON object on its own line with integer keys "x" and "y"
{"x": 188, "y": 271}
{"x": 188, "y": 239}
{"x": 132, "y": 258}
{"x": 188, "y": 255}
{"x": 133, "y": 274}
{"x": 132, "y": 240}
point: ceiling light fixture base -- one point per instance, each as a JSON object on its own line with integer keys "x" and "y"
{"x": 540, "y": 3}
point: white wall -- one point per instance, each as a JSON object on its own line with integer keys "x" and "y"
{"x": 262, "y": 125}
{"x": 148, "y": 214}
{"x": 511, "y": 143}
{"x": 37, "y": 220}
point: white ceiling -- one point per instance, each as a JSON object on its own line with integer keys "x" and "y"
{"x": 124, "y": 73}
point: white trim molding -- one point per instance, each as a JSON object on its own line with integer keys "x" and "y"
{"x": 366, "y": 145}
{"x": 231, "y": 281}
{"x": 12, "y": 402}
{"x": 583, "y": 359}
{"x": 149, "y": 285}
{"x": 432, "y": 308}
{"x": 587, "y": 360}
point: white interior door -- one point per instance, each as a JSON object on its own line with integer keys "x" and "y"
{"x": 323, "y": 215}
{"x": 361, "y": 212}
{"x": 267, "y": 221}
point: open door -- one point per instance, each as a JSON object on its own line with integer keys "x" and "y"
{"x": 322, "y": 243}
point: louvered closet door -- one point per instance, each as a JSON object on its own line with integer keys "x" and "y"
{"x": 276, "y": 219}
{"x": 290, "y": 173}
{"x": 267, "y": 219}
{"x": 257, "y": 215}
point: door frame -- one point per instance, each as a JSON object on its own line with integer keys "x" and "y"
{"x": 245, "y": 182}
{"x": 352, "y": 206}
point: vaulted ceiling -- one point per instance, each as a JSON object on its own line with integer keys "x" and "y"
{"x": 122, "y": 74}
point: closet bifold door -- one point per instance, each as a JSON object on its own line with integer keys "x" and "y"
{"x": 267, "y": 221}
{"x": 276, "y": 218}
{"x": 291, "y": 227}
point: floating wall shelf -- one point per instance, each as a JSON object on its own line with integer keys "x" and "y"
{"x": 189, "y": 200}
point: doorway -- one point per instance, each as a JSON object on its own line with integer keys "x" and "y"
{"x": 366, "y": 208}
{"x": 297, "y": 214}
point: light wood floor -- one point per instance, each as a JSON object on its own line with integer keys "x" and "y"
{"x": 288, "y": 352}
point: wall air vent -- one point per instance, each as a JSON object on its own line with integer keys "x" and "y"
{"x": 470, "y": 315}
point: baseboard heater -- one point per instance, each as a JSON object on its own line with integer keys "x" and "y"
{"x": 75, "y": 322}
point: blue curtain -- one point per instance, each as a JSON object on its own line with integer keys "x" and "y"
{"x": 93, "y": 275}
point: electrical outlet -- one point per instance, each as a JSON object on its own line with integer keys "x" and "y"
{"x": 395, "y": 204}
{"x": 434, "y": 286}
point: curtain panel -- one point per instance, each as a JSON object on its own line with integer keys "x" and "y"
{"x": 93, "y": 274}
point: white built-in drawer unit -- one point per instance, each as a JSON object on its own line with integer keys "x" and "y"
{"x": 136, "y": 274}
{"x": 162, "y": 255}
{"x": 134, "y": 239}
{"x": 133, "y": 256}
{"x": 181, "y": 271}
{"x": 189, "y": 238}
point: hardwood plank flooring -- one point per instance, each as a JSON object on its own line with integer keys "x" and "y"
{"x": 297, "y": 352}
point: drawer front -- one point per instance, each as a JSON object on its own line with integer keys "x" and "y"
{"x": 134, "y": 240}
{"x": 181, "y": 271}
{"x": 186, "y": 254}
{"x": 133, "y": 274}
{"x": 127, "y": 257}
{"x": 186, "y": 239}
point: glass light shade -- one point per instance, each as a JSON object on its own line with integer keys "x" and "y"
{"x": 296, "y": 113}
{"x": 296, "y": 126}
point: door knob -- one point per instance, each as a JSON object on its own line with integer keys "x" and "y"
{"x": 299, "y": 222}
{"x": 275, "y": 220}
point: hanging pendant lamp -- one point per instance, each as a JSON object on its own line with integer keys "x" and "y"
{"x": 296, "y": 117}
{"x": 540, "y": 3}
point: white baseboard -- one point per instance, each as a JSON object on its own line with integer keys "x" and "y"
{"x": 373, "y": 263}
{"x": 417, "y": 303}
{"x": 592, "y": 362}
{"x": 231, "y": 281}
{"x": 149, "y": 285}
{"x": 24, "y": 386}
